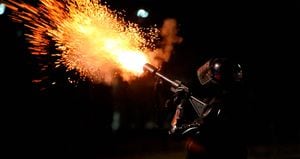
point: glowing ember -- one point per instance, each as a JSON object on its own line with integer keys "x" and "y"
{"x": 90, "y": 38}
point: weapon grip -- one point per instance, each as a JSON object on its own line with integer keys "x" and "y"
{"x": 176, "y": 117}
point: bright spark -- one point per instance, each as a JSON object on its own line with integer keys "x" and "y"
{"x": 89, "y": 37}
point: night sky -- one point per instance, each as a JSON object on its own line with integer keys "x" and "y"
{"x": 255, "y": 33}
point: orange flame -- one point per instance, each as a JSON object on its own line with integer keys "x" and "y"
{"x": 93, "y": 39}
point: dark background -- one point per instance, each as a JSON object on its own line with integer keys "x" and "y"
{"x": 67, "y": 121}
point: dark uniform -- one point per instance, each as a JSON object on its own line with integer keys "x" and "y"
{"x": 220, "y": 133}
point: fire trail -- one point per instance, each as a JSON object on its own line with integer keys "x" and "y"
{"x": 88, "y": 37}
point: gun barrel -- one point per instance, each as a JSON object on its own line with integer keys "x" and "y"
{"x": 197, "y": 104}
{"x": 152, "y": 69}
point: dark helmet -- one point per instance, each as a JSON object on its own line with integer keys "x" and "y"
{"x": 220, "y": 71}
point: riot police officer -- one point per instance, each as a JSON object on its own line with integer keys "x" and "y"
{"x": 219, "y": 133}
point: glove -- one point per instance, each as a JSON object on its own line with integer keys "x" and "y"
{"x": 190, "y": 129}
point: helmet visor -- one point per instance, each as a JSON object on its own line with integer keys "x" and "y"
{"x": 204, "y": 73}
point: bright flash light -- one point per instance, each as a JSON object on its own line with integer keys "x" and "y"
{"x": 2, "y": 8}
{"x": 90, "y": 38}
{"x": 133, "y": 61}
{"x": 142, "y": 13}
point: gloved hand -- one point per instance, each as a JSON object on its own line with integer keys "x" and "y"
{"x": 186, "y": 129}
